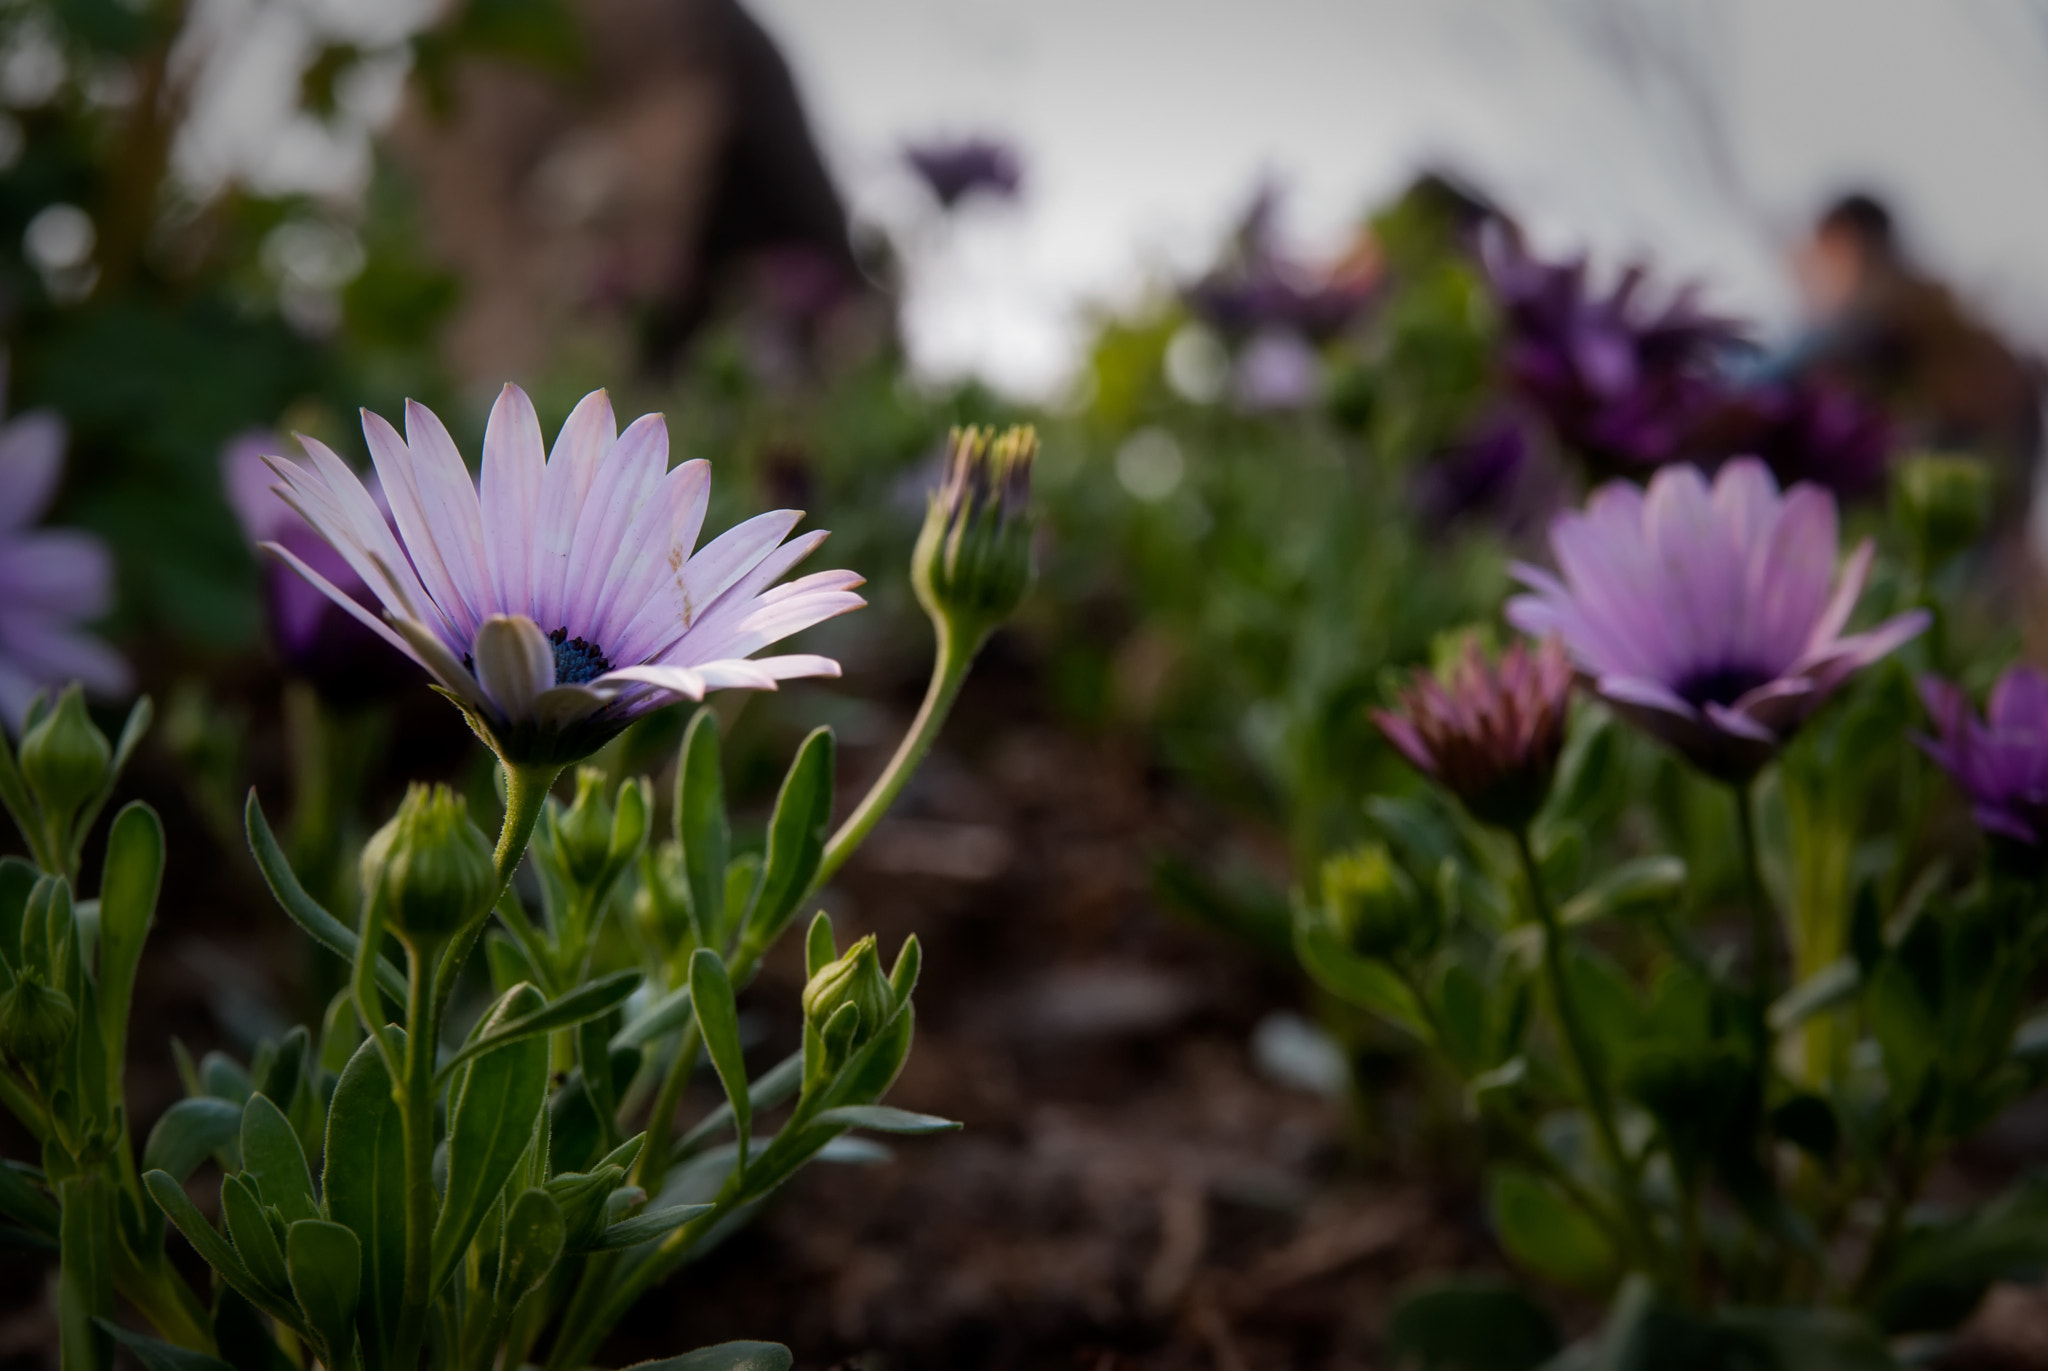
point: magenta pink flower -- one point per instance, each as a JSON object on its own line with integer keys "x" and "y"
{"x": 51, "y": 580}
{"x": 1490, "y": 733}
{"x": 2002, "y": 762}
{"x": 1713, "y": 618}
{"x": 568, "y": 596}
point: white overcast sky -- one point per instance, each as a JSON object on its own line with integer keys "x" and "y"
{"x": 1699, "y": 134}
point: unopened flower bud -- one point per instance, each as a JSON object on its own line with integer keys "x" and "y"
{"x": 584, "y": 1198}
{"x": 430, "y": 864}
{"x": 1372, "y": 903}
{"x": 1944, "y": 503}
{"x": 36, "y": 1021}
{"x": 65, "y": 757}
{"x": 856, "y": 979}
{"x": 584, "y": 832}
{"x": 662, "y": 903}
{"x": 973, "y": 559}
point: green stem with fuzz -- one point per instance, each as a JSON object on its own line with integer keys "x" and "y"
{"x": 416, "y": 1112}
{"x": 1579, "y": 1045}
{"x": 955, "y": 654}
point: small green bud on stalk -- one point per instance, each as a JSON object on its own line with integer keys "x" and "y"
{"x": 856, "y": 979}
{"x": 585, "y": 1201}
{"x": 1944, "y": 501}
{"x": 662, "y": 902}
{"x": 972, "y": 564}
{"x": 1373, "y": 905}
{"x": 65, "y": 757}
{"x": 431, "y": 866}
{"x": 584, "y": 832}
{"x": 36, "y": 1023}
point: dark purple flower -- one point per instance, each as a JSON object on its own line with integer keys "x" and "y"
{"x": 1487, "y": 471}
{"x": 1490, "y": 733}
{"x": 954, "y": 170}
{"x": 1258, "y": 290}
{"x": 1813, "y": 430}
{"x": 1624, "y": 384}
{"x": 1710, "y": 618}
{"x": 2001, "y": 763}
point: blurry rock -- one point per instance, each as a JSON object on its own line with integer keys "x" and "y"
{"x": 1291, "y": 1051}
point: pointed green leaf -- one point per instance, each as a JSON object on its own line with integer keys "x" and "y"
{"x": 820, "y": 951}
{"x": 647, "y": 1227}
{"x": 17, "y": 880}
{"x": 305, "y": 911}
{"x": 701, "y": 827}
{"x": 158, "y": 1355}
{"x": 188, "y": 1133}
{"x": 139, "y": 716}
{"x": 664, "y": 1016}
{"x": 884, "y": 1119}
{"x": 1367, "y": 984}
{"x": 23, "y": 1199}
{"x": 534, "y": 1237}
{"x": 272, "y": 1157}
{"x": 218, "y": 1253}
{"x": 727, "y": 1356}
{"x": 326, "y": 1265}
{"x": 775, "y": 1086}
{"x": 579, "y": 1006}
{"x": 254, "y": 1241}
{"x": 492, "y": 1126}
{"x": 796, "y": 839}
{"x": 364, "y": 1184}
{"x": 718, "y": 1020}
{"x": 129, "y": 880}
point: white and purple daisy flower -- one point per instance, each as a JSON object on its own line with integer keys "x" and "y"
{"x": 1711, "y": 617}
{"x": 2001, "y": 763}
{"x": 51, "y": 579}
{"x": 567, "y": 596}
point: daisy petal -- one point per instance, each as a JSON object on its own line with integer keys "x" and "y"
{"x": 514, "y": 663}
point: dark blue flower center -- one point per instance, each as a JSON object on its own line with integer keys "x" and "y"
{"x": 1722, "y": 685}
{"x": 576, "y": 659}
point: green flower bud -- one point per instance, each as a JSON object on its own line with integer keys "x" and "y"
{"x": 432, "y": 868}
{"x": 583, "y": 833}
{"x": 662, "y": 903}
{"x": 856, "y": 979}
{"x": 1944, "y": 501}
{"x": 585, "y": 1201}
{"x": 972, "y": 564}
{"x": 65, "y": 756}
{"x": 36, "y": 1022}
{"x": 1373, "y": 905}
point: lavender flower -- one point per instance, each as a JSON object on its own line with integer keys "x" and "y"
{"x": 1623, "y": 385}
{"x": 1490, "y": 733}
{"x": 51, "y": 580}
{"x": 2002, "y": 763}
{"x": 1706, "y": 616}
{"x": 1258, "y": 292}
{"x": 1815, "y": 431}
{"x": 954, "y": 170}
{"x": 563, "y": 600}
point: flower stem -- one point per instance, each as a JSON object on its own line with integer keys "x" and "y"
{"x": 652, "y": 1167}
{"x": 417, "y": 1118}
{"x": 1763, "y": 940}
{"x": 950, "y": 662}
{"x": 526, "y": 793}
{"x": 1599, "y": 1103}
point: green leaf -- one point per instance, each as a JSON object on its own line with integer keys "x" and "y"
{"x": 330, "y": 932}
{"x": 326, "y": 1264}
{"x": 17, "y": 880}
{"x": 718, "y": 1021}
{"x": 254, "y": 1241}
{"x": 884, "y": 1119}
{"x": 1907, "y": 1036}
{"x": 364, "y": 1183}
{"x": 820, "y": 951}
{"x": 1834, "y": 984}
{"x": 188, "y": 1133}
{"x": 664, "y": 1016}
{"x": 579, "y": 1006}
{"x": 701, "y": 827}
{"x": 23, "y": 1199}
{"x": 85, "y": 1270}
{"x": 273, "y": 1159}
{"x": 647, "y": 1227}
{"x": 492, "y": 1125}
{"x": 534, "y": 1237}
{"x": 727, "y": 1356}
{"x": 129, "y": 880}
{"x": 14, "y": 796}
{"x": 1944, "y": 1266}
{"x": 774, "y": 1086}
{"x": 139, "y": 716}
{"x": 1545, "y": 1232}
{"x": 1625, "y": 889}
{"x": 1369, "y": 985}
{"x": 796, "y": 839}
{"x": 210, "y": 1245}
{"x": 1471, "y": 1325}
{"x": 157, "y": 1355}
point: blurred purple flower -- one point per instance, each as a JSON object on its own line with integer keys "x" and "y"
{"x": 51, "y": 580}
{"x": 2001, "y": 764}
{"x": 1257, "y": 288}
{"x": 317, "y": 640}
{"x": 1486, "y": 472}
{"x": 1277, "y": 370}
{"x": 1622, "y": 384}
{"x": 1490, "y": 733}
{"x": 1705, "y": 616}
{"x": 1813, "y": 430}
{"x": 568, "y": 596}
{"x": 954, "y": 170}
